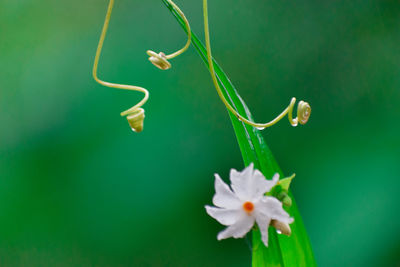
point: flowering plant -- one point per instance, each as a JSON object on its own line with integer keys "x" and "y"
{"x": 246, "y": 203}
{"x": 281, "y": 251}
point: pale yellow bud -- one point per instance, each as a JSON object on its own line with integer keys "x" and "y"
{"x": 282, "y": 228}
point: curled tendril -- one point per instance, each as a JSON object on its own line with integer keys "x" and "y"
{"x": 160, "y": 60}
{"x": 303, "y": 112}
{"x": 135, "y": 119}
{"x": 303, "y": 109}
{"x": 135, "y": 115}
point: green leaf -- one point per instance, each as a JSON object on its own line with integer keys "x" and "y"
{"x": 285, "y": 182}
{"x": 282, "y": 250}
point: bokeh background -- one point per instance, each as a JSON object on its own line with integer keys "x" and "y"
{"x": 78, "y": 188}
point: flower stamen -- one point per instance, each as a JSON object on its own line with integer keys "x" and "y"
{"x": 248, "y": 206}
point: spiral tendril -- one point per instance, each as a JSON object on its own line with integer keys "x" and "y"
{"x": 160, "y": 60}
{"x": 303, "y": 108}
{"x": 303, "y": 112}
{"x": 134, "y": 115}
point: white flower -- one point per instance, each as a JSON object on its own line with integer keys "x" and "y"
{"x": 246, "y": 204}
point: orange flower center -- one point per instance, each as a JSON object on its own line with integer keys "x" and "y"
{"x": 248, "y": 206}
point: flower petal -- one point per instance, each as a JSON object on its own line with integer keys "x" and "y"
{"x": 239, "y": 229}
{"x": 260, "y": 185}
{"x": 224, "y": 216}
{"x": 272, "y": 207}
{"x": 251, "y": 184}
{"x": 224, "y": 197}
{"x": 263, "y": 222}
{"x": 241, "y": 182}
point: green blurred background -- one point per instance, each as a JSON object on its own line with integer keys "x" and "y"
{"x": 78, "y": 188}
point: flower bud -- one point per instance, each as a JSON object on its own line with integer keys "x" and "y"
{"x": 284, "y": 198}
{"x": 281, "y": 228}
